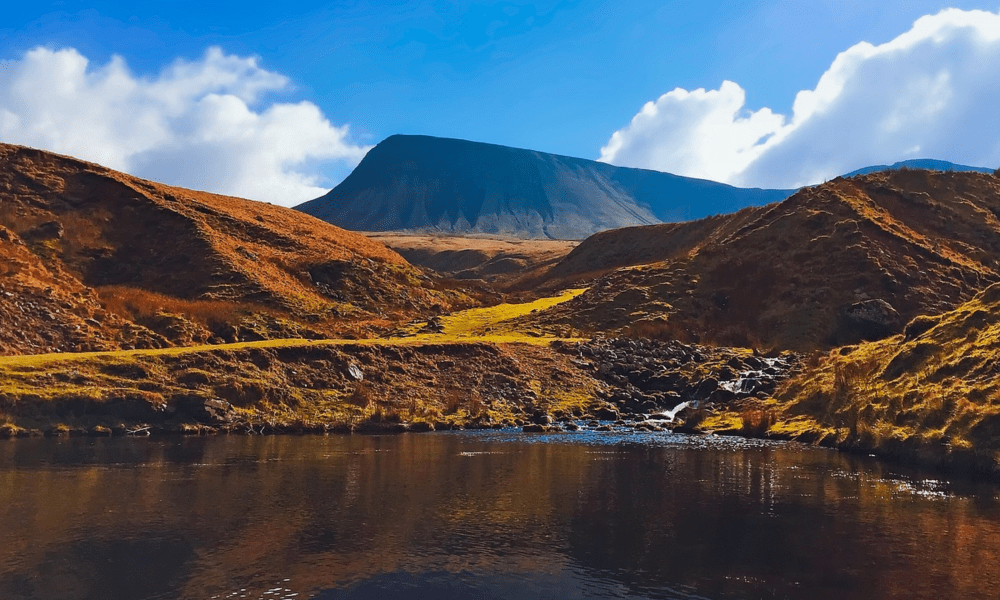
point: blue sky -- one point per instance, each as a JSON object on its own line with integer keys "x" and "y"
{"x": 557, "y": 76}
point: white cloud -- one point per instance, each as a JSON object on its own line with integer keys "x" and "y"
{"x": 197, "y": 124}
{"x": 932, "y": 92}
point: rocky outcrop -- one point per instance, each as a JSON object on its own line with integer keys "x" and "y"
{"x": 650, "y": 376}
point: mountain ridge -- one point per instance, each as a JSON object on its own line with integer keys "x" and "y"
{"x": 930, "y": 164}
{"x": 794, "y": 274}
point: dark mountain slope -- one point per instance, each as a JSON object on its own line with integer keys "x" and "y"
{"x": 422, "y": 183}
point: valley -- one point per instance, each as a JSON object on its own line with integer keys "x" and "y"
{"x": 857, "y": 314}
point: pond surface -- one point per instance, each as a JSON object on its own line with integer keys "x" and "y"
{"x": 483, "y": 515}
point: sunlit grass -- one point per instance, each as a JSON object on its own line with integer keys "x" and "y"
{"x": 463, "y": 326}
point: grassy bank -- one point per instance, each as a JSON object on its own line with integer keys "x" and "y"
{"x": 460, "y": 375}
{"x": 930, "y": 395}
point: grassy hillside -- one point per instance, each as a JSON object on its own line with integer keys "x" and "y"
{"x": 848, "y": 260}
{"x": 188, "y": 267}
{"x": 930, "y": 394}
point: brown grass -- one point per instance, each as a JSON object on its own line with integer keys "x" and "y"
{"x": 756, "y": 421}
{"x": 656, "y": 329}
{"x": 784, "y": 275}
{"x": 138, "y": 305}
{"x": 361, "y": 396}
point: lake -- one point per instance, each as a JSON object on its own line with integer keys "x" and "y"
{"x": 483, "y": 514}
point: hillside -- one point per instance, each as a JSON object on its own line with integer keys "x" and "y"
{"x": 97, "y": 258}
{"x": 929, "y": 394}
{"x": 847, "y": 260}
{"x": 422, "y": 183}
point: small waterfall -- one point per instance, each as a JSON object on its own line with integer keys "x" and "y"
{"x": 670, "y": 415}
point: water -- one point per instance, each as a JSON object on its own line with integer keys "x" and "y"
{"x": 483, "y": 515}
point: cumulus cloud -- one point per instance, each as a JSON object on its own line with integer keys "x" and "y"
{"x": 932, "y": 92}
{"x": 197, "y": 124}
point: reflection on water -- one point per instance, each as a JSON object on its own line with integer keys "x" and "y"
{"x": 483, "y": 515}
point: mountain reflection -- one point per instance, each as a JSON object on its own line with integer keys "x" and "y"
{"x": 495, "y": 516}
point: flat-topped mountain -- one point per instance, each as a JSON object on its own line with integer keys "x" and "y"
{"x": 423, "y": 183}
{"x": 91, "y": 259}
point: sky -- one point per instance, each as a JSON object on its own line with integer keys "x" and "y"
{"x": 279, "y": 101}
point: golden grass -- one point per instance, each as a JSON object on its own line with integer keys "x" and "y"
{"x": 476, "y": 321}
{"x": 459, "y": 327}
{"x": 935, "y": 395}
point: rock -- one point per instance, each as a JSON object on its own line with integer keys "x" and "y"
{"x": 706, "y": 387}
{"x": 872, "y": 319}
{"x": 533, "y": 428}
{"x": 721, "y": 396}
{"x": 354, "y": 372}
{"x": 639, "y": 377}
{"x": 50, "y": 230}
{"x": 209, "y": 410}
{"x": 664, "y": 381}
{"x": 571, "y": 426}
{"x": 725, "y": 374}
{"x": 670, "y": 399}
{"x": 541, "y": 419}
{"x": 606, "y": 413}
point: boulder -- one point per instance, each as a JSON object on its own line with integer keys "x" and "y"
{"x": 721, "y": 396}
{"x": 541, "y": 419}
{"x": 870, "y": 320}
{"x": 206, "y": 409}
{"x": 354, "y": 372}
{"x": 706, "y": 387}
{"x": 606, "y": 413}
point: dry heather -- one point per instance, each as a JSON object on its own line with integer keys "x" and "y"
{"x": 786, "y": 275}
{"x": 195, "y": 266}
